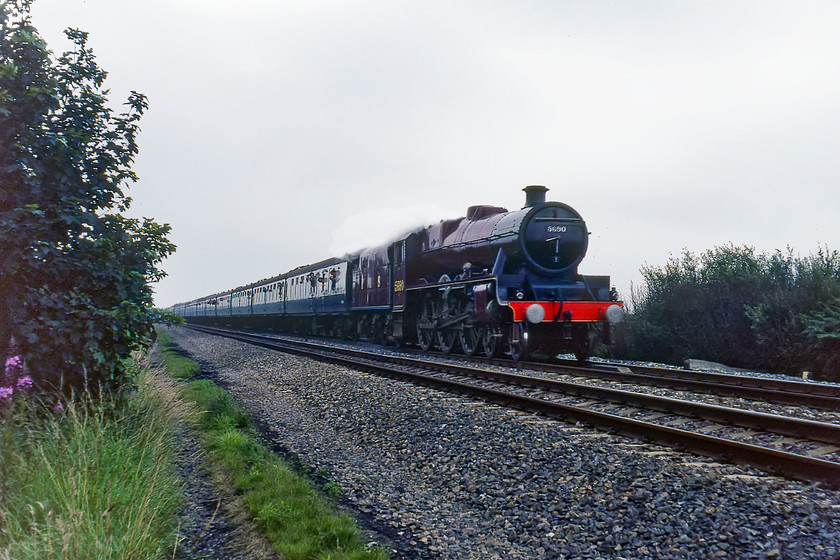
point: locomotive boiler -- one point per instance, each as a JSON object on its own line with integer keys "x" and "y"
{"x": 492, "y": 282}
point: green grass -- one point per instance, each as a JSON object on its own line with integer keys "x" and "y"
{"x": 178, "y": 366}
{"x": 296, "y": 517}
{"x": 95, "y": 480}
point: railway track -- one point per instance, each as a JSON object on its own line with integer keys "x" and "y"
{"x": 780, "y": 444}
{"x": 767, "y": 390}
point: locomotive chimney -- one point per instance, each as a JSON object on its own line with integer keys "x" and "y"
{"x": 534, "y": 194}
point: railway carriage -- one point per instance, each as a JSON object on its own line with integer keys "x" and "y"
{"x": 316, "y": 298}
{"x": 492, "y": 282}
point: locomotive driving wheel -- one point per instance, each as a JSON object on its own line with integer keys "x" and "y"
{"x": 447, "y": 336}
{"x": 470, "y": 334}
{"x": 425, "y": 326}
{"x": 471, "y": 338}
{"x": 447, "y": 309}
{"x": 492, "y": 341}
{"x": 446, "y": 339}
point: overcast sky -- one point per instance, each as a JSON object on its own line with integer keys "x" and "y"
{"x": 280, "y": 133}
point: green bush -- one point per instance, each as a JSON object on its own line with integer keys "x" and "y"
{"x": 75, "y": 273}
{"x": 736, "y": 306}
{"x": 823, "y": 330}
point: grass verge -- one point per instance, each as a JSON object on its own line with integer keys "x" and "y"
{"x": 299, "y": 521}
{"x": 93, "y": 480}
{"x": 178, "y": 366}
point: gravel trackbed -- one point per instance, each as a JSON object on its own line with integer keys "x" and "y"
{"x": 435, "y": 475}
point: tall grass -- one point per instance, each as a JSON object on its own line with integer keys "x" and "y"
{"x": 93, "y": 480}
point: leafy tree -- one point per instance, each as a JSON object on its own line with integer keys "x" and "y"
{"x": 75, "y": 274}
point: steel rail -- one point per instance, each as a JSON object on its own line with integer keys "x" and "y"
{"x": 735, "y": 379}
{"x": 823, "y": 432}
{"x": 771, "y": 460}
{"x": 773, "y": 392}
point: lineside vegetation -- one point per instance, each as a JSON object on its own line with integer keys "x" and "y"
{"x": 75, "y": 273}
{"x": 91, "y": 478}
{"x": 768, "y": 311}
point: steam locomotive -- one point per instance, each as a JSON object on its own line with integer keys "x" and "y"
{"x": 493, "y": 282}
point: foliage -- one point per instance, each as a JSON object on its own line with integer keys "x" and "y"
{"x": 92, "y": 479}
{"x": 743, "y": 308}
{"x": 823, "y": 330}
{"x": 75, "y": 274}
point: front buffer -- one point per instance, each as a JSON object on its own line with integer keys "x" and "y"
{"x": 555, "y": 327}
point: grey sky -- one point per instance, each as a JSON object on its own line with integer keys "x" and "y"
{"x": 283, "y": 132}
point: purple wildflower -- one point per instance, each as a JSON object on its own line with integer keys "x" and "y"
{"x": 6, "y": 392}
{"x": 13, "y": 364}
{"x": 24, "y": 382}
